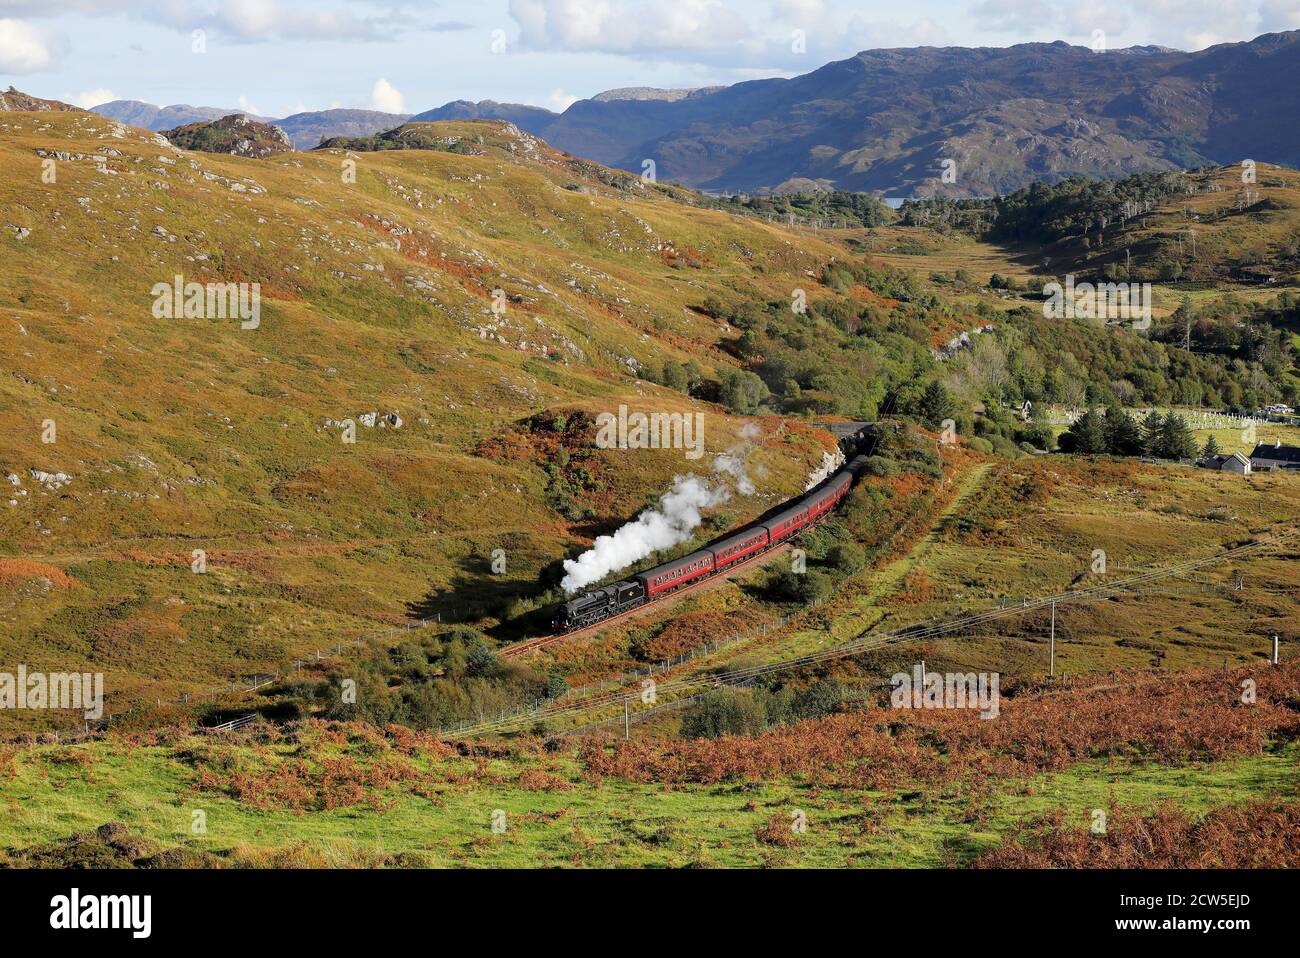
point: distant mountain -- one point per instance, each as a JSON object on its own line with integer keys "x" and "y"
{"x": 885, "y": 120}
{"x": 236, "y": 135}
{"x": 652, "y": 93}
{"x": 16, "y": 101}
{"x": 160, "y": 118}
{"x": 530, "y": 118}
{"x": 306, "y": 130}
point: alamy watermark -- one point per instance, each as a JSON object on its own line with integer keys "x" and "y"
{"x": 949, "y": 690}
{"x": 1129, "y": 301}
{"x": 182, "y": 300}
{"x": 58, "y": 690}
{"x": 659, "y": 430}
{"x": 133, "y": 913}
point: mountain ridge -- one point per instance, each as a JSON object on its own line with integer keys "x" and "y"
{"x": 891, "y": 121}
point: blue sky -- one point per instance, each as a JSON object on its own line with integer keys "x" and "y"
{"x": 277, "y": 57}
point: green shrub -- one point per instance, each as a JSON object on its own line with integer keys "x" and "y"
{"x": 848, "y": 558}
{"x": 724, "y": 712}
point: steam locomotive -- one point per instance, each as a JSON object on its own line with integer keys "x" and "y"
{"x": 745, "y": 543}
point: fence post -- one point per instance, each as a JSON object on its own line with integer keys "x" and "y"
{"x": 1051, "y": 646}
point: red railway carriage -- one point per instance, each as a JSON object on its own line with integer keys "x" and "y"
{"x": 785, "y": 524}
{"x": 739, "y": 547}
{"x": 674, "y": 575}
{"x": 662, "y": 580}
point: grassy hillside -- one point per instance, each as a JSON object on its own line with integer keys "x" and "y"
{"x": 377, "y": 296}
{"x": 1186, "y": 231}
{"x": 875, "y": 786}
{"x": 469, "y": 309}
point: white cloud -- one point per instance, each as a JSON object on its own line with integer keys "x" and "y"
{"x": 251, "y": 17}
{"x": 559, "y": 101}
{"x": 386, "y": 98}
{"x": 716, "y": 33}
{"x": 1021, "y": 17}
{"x": 888, "y": 34}
{"x": 1083, "y": 20}
{"x": 637, "y": 27}
{"x": 1197, "y": 24}
{"x": 1188, "y": 24}
{"x": 251, "y": 20}
{"x": 90, "y": 98}
{"x": 267, "y": 19}
{"x": 28, "y": 49}
{"x": 1278, "y": 15}
{"x": 246, "y": 107}
{"x": 799, "y": 12}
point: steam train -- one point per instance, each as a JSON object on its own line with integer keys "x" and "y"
{"x": 663, "y": 580}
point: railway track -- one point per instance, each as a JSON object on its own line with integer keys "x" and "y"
{"x": 690, "y": 684}
{"x": 530, "y": 646}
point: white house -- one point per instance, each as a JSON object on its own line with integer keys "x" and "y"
{"x": 1235, "y": 463}
{"x": 1276, "y": 456}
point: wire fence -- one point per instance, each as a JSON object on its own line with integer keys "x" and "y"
{"x": 597, "y": 689}
{"x": 870, "y": 642}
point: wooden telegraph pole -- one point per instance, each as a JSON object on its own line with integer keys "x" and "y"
{"x": 1051, "y": 646}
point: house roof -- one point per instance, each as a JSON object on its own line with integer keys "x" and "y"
{"x": 1220, "y": 461}
{"x": 1276, "y": 453}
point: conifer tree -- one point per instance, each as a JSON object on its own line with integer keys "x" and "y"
{"x": 1151, "y": 427}
{"x": 1088, "y": 434}
{"x": 1175, "y": 440}
{"x": 1123, "y": 437}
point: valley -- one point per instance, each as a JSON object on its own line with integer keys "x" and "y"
{"x": 337, "y": 523}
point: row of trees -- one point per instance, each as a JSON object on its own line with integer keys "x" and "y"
{"x": 829, "y": 207}
{"x": 1119, "y": 434}
{"x": 1045, "y": 213}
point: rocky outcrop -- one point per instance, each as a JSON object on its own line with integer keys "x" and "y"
{"x": 235, "y": 135}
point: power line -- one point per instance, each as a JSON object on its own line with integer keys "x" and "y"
{"x": 871, "y": 642}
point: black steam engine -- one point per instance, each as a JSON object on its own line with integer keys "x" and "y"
{"x": 742, "y": 545}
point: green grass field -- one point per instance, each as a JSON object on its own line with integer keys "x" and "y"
{"x": 606, "y": 824}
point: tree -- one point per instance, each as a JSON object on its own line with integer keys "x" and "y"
{"x": 1211, "y": 448}
{"x": 935, "y": 405}
{"x": 804, "y": 587}
{"x": 556, "y": 685}
{"x": 743, "y": 391}
{"x": 1176, "y": 440}
{"x": 1088, "y": 434}
{"x": 675, "y": 376}
{"x": 848, "y": 558}
{"x": 1151, "y": 429}
{"x": 481, "y": 662}
{"x": 820, "y": 699}
{"x": 1123, "y": 438}
{"x": 1183, "y": 320}
{"x": 694, "y": 375}
{"x": 724, "y": 712}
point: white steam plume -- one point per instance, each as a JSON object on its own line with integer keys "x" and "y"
{"x": 733, "y": 466}
{"x": 672, "y": 523}
{"x": 677, "y": 516}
